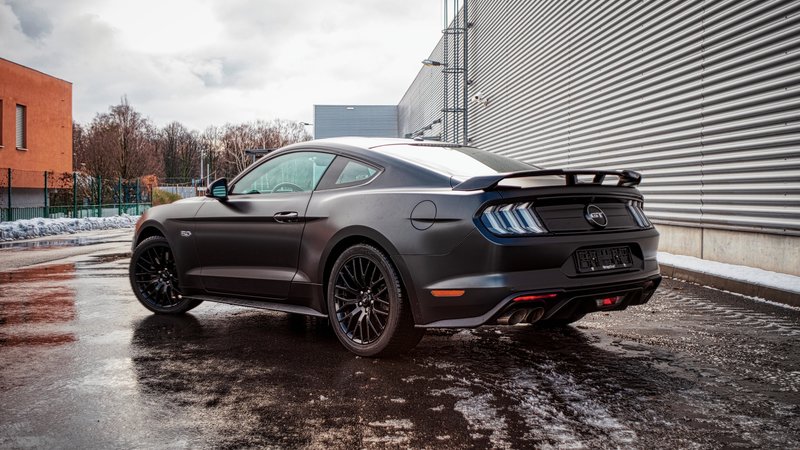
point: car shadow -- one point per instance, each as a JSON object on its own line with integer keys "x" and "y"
{"x": 257, "y": 378}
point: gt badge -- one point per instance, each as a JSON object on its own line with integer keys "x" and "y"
{"x": 595, "y": 216}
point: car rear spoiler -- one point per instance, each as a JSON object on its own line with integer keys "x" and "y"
{"x": 627, "y": 178}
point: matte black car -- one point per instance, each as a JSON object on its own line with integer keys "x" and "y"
{"x": 388, "y": 237}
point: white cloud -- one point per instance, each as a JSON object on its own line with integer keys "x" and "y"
{"x": 210, "y": 62}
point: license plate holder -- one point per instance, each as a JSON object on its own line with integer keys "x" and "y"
{"x": 592, "y": 260}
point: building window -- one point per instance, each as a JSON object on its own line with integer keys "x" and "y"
{"x": 22, "y": 123}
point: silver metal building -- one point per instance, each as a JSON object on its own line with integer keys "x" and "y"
{"x": 355, "y": 120}
{"x": 703, "y": 97}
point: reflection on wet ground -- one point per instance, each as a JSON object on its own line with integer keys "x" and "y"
{"x": 32, "y": 301}
{"x": 54, "y": 243}
{"x": 693, "y": 368}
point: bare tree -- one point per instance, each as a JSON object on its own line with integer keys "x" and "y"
{"x": 238, "y": 138}
{"x": 135, "y": 152}
{"x": 180, "y": 149}
{"x": 119, "y": 143}
{"x": 123, "y": 143}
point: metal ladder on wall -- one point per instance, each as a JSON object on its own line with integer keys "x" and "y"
{"x": 455, "y": 83}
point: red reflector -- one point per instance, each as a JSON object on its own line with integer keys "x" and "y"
{"x": 447, "y": 293}
{"x": 527, "y": 298}
{"x": 608, "y": 301}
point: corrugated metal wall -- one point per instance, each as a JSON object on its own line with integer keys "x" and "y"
{"x": 355, "y": 120}
{"x": 422, "y": 103}
{"x": 703, "y": 97}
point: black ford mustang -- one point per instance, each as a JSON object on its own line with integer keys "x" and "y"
{"x": 387, "y": 237}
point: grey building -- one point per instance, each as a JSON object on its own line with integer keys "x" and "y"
{"x": 355, "y": 120}
{"x": 703, "y": 97}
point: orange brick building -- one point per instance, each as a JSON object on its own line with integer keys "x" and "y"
{"x": 35, "y": 130}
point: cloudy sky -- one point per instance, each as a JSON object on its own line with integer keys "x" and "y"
{"x": 207, "y": 62}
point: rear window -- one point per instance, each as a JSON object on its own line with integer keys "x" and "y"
{"x": 456, "y": 161}
{"x": 354, "y": 172}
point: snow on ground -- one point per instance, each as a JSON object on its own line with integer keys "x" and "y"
{"x": 744, "y": 274}
{"x": 32, "y": 228}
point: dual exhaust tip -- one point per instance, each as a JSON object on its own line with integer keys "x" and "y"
{"x": 520, "y": 315}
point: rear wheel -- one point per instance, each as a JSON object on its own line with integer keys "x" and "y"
{"x": 154, "y": 278}
{"x": 366, "y": 306}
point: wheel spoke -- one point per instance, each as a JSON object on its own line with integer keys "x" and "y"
{"x": 363, "y": 272}
{"x": 144, "y": 268}
{"x": 346, "y": 288}
{"x": 381, "y": 290}
{"x": 375, "y": 273}
{"x": 349, "y": 314}
{"x": 352, "y": 317}
{"x": 369, "y": 322}
{"x": 349, "y": 274}
{"x": 365, "y": 318}
{"x": 346, "y": 301}
{"x": 381, "y": 324}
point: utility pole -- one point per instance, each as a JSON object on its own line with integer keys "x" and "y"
{"x": 466, "y": 77}
{"x": 202, "y": 152}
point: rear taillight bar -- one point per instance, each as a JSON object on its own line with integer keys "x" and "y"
{"x": 635, "y": 209}
{"x": 512, "y": 219}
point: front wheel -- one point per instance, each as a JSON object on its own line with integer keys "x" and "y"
{"x": 366, "y": 306}
{"x": 154, "y": 278}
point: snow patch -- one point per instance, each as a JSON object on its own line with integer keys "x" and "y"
{"x": 482, "y": 416}
{"x": 745, "y": 274}
{"x": 464, "y": 335}
{"x": 397, "y": 424}
{"x": 32, "y": 228}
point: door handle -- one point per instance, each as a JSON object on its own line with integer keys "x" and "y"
{"x": 286, "y": 216}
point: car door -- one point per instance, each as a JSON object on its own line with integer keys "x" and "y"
{"x": 249, "y": 244}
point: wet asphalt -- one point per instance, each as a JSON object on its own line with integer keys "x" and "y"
{"x": 83, "y": 365}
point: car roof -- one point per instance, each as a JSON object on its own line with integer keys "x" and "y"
{"x": 443, "y": 158}
{"x": 370, "y": 148}
{"x": 366, "y": 142}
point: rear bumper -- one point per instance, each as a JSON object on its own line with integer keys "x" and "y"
{"x": 565, "y": 303}
{"x": 493, "y": 273}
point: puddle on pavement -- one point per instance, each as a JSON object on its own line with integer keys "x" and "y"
{"x": 111, "y": 257}
{"x": 32, "y": 301}
{"x": 54, "y": 243}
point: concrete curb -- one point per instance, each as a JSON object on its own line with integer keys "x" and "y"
{"x": 728, "y": 284}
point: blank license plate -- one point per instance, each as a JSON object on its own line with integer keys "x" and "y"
{"x": 599, "y": 259}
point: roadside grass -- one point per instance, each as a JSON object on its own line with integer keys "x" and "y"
{"x": 161, "y": 197}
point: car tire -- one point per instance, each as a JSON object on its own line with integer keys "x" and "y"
{"x": 154, "y": 278}
{"x": 368, "y": 310}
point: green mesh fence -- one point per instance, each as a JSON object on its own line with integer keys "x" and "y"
{"x": 26, "y": 194}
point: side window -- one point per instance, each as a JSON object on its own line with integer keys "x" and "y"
{"x": 354, "y": 172}
{"x": 294, "y": 172}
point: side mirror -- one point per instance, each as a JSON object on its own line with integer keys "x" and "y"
{"x": 218, "y": 189}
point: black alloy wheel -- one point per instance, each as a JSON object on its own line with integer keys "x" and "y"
{"x": 366, "y": 304}
{"x": 154, "y": 278}
{"x": 361, "y": 298}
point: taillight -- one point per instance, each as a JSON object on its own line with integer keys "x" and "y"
{"x": 635, "y": 208}
{"x": 512, "y": 219}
